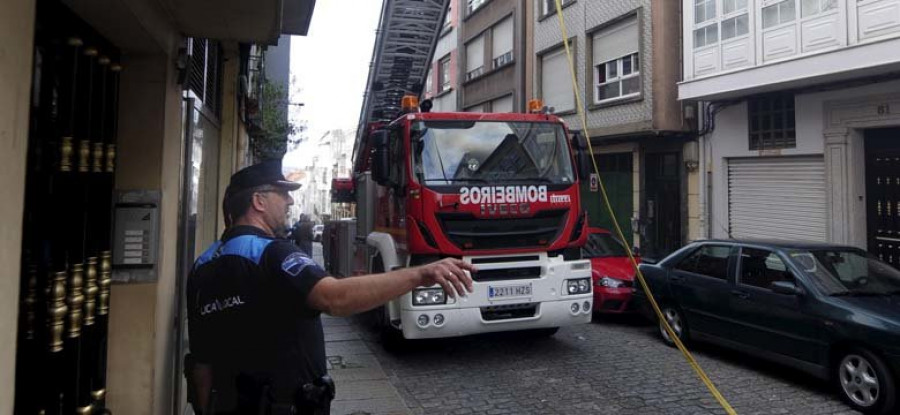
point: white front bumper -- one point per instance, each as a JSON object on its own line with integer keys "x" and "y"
{"x": 464, "y": 316}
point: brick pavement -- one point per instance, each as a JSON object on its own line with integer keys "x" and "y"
{"x": 363, "y": 387}
{"x": 614, "y": 366}
{"x": 617, "y": 366}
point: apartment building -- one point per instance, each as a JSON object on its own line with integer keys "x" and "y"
{"x": 800, "y": 102}
{"x": 627, "y": 64}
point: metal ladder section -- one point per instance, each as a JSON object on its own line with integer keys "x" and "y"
{"x": 408, "y": 33}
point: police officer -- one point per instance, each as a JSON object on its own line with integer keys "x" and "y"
{"x": 256, "y": 339}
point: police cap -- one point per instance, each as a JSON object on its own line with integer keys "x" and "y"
{"x": 267, "y": 172}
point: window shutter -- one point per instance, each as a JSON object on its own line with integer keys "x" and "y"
{"x": 556, "y": 87}
{"x": 617, "y": 41}
{"x": 475, "y": 54}
{"x": 504, "y": 104}
{"x": 503, "y": 37}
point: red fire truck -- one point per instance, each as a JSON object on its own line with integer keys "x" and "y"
{"x": 500, "y": 191}
{"x": 497, "y": 190}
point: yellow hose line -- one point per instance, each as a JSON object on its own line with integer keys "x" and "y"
{"x": 684, "y": 351}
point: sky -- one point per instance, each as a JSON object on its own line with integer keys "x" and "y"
{"x": 329, "y": 67}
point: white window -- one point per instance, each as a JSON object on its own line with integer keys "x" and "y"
{"x": 474, "y": 5}
{"x": 556, "y": 86}
{"x": 617, "y": 64}
{"x": 779, "y": 13}
{"x": 449, "y": 17}
{"x": 707, "y": 35}
{"x": 504, "y": 104}
{"x": 549, "y": 6}
{"x": 735, "y": 26}
{"x": 429, "y": 82}
{"x": 620, "y": 78}
{"x": 475, "y": 58}
{"x": 814, "y": 7}
{"x": 732, "y": 6}
{"x": 734, "y": 20}
{"x": 445, "y": 74}
{"x": 503, "y": 43}
{"x": 704, "y": 10}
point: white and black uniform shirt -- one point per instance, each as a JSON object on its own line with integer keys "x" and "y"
{"x": 248, "y": 315}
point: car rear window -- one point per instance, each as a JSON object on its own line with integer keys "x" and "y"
{"x": 708, "y": 260}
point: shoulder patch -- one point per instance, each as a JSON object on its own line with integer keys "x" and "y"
{"x": 295, "y": 263}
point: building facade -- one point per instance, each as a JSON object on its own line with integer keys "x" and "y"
{"x": 493, "y": 50}
{"x": 442, "y": 81}
{"x": 800, "y": 104}
{"x": 137, "y": 104}
{"x": 626, "y": 61}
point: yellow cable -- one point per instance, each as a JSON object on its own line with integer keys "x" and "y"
{"x": 684, "y": 351}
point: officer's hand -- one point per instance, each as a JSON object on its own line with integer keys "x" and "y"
{"x": 450, "y": 273}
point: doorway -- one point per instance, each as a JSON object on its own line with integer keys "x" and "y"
{"x": 883, "y": 190}
{"x": 662, "y": 204}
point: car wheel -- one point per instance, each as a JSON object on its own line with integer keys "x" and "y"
{"x": 865, "y": 382}
{"x": 676, "y": 321}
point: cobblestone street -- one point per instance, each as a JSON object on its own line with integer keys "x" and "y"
{"x": 615, "y": 365}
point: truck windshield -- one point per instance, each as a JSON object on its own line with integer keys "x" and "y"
{"x": 454, "y": 152}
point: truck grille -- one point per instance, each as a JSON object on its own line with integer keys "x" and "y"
{"x": 508, "y": 312}
{"x": 507, "y": 274}
{"x": 468, "y": 232}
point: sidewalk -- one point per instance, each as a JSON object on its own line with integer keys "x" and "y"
{"x": 362, "y": 385}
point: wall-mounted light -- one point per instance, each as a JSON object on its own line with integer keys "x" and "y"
{"x": 691, "y": 156}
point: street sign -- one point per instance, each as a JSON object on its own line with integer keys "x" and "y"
{"x": 595, "y": 182}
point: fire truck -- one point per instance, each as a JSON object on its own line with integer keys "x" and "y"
{"x": 500, "y": 191}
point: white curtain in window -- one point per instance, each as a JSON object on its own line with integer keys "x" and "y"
{"x": 504, "y": 104}
{"x": 556, "y": 83}
{"x": 617, "y": 41}
{"x": 503, "y": 37}
{"x": 475, "y": 54}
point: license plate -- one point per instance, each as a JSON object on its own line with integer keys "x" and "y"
{"x": 504, "y": 291}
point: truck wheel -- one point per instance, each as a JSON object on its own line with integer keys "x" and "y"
{"x": 391, "y": 339}
{"x": 547, "y": 332}
{"x": 865, "y": 382}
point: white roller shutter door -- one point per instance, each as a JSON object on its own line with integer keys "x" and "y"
{"x": 475, "y": 54}
{"x": 503, "y": 37}
{"x": 777, "y": 198}
{"x": 504, "y": 104}
{"x": 556, "y": 84}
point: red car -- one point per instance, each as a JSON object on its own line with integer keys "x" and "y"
{"x": 612, "y": 272}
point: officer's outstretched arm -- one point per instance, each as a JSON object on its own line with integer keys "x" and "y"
{"x": 347, "y": 296}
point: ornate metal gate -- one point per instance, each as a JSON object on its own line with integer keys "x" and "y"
{"x": 66, "y": 264}
{"x": 883, "y": 194}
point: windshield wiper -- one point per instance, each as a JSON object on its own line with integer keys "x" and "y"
{"x": 472, "y": 179}
{"x": 529, "y": 179}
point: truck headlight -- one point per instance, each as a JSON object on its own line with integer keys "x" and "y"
{"x": 610, "y": 282}
{"x": 578, "y": 286}
{"x": 429, "y": 296}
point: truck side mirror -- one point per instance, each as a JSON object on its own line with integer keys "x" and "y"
{"x": 582, "y": 156}
{"x": 381, "y": 157}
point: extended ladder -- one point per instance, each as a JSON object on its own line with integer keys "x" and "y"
{"x": 408, "y": 33}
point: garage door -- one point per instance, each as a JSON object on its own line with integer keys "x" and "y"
{"x": 777, "y": 198}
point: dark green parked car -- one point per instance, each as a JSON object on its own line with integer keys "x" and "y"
{"x": 832, "y": 311}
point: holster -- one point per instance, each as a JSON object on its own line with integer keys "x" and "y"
{"x": 315, "y": 398}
